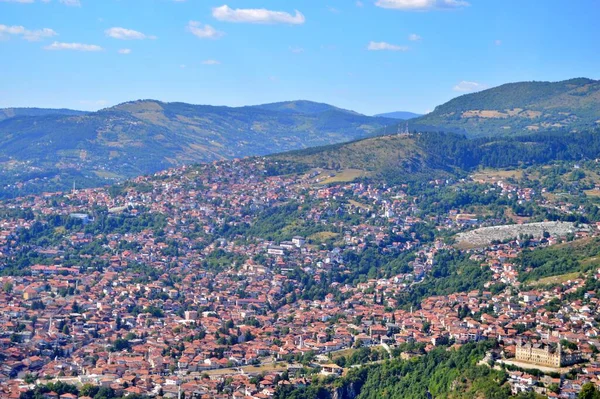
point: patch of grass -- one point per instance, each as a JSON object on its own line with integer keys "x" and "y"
{"x": 590, "y": 262}
{"x": 493, "y": 175}
{"x": 323, "y": 236}
{"x": 107, "y": 175}
{"x": 343, "y": 353}
{"x": 345, "y": 176}
{"x": 556, "y": 279}
{"x": 359, "y": 205}
{"x": 592, "y": 193}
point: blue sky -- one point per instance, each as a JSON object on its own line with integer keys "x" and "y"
{"x": 370, "y": 56}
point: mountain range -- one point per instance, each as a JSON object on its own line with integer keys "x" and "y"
{"x": 7, "y": 113}
{"x": 517, "y": 108}
{"x": 402, "y": 115}
{"x": 42, "y": 150}
{"x": 51, "y": 149}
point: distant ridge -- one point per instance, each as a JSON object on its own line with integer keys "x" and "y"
{"x": 44, "y": 150}
{"x": 403, "y": 115}
{"x": 6, "y": 113}
{"x": 517, "y": 108}
{"x": 301, "y": 107}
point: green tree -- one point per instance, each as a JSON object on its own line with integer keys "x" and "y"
{"x": 589, "y": 391}
{"x": 8, "y": 287}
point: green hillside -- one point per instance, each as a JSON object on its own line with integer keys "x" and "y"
{"x": 406, "y": 158}
{"x": 52, "y": 150}
{"x": 377, "y": 156}
{"x": 517, "y": 108}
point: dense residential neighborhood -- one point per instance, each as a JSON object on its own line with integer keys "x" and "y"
{"x": 227, "y": 280}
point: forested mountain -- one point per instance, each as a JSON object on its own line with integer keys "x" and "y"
{"x": 6, "y": 113}
{"x": 517, "y": 108}
{"x": 47, "y": 151}
{"x": 436, "y": 155}
{"x": 403, "y": 115}
{"x": 44, "y": 150}
{"x": 303, "y": 107}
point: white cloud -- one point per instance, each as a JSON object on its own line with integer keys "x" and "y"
{"x": 498, "y": 42}
{"x": 359, "y": 3}
{"x": 413, "y": 37}
{"x": 211, "y": 62}
{"x": 333, "y": 10}
{"x": 17, "y": 1}
{"x": 203, "y": 31}
{"x": 73, "y": 46}
{"x": 71, "y": 3}
{"x": 126, "y": 34}
{"x": 421, "y": 5}
{"x": 469, "y": 87}
{"x": 257, "y": 16}
{"x": 296, "y": 50}
{"x": 378, "y": 46}
{"x": 29, "y": 35}
{"x": 125, "y": 51}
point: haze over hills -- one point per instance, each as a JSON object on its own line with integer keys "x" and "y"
{"x": 43, "y": 149}
{"x": 7, "y": 113}
{"x": 517, "y": 108}
{"x": 304, "y": 107}
{"x": 402, "y": 115}
{"x": 140, "y": 137}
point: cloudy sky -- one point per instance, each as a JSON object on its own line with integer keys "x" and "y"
{"x": 369, "y": 55}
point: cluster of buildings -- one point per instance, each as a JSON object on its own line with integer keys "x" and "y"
{"x": 179, "y": 282}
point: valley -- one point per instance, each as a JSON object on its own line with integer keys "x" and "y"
{"x": 235, "y": 274}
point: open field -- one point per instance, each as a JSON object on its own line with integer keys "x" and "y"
{"x": 592, "y": 193}
{"x": 323, "y": 236}
{"x": 342, "y": 353}
{"x": 556, "y": 279}
{"x": 492, "y": 176}
{"x": 107, "y": 175}
{"x": 591, "y": 261}
{"x": 575, "y": 244}
{"x": 346, "y": 175}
